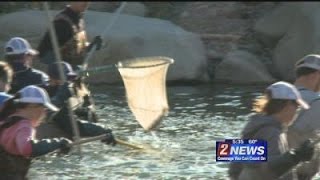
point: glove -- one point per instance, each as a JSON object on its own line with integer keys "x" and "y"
{"x": 288, "y": 160}
{"x": 305, "y": 151}
{"x": 109, "y": 138}
{"x": 44, "y": 146}
{"x": 65, "y": 145}
{"x": 97, "y": 41}
{"x": 87, "y": 113}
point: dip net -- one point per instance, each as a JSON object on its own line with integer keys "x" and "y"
{"x": 145, "y": 83}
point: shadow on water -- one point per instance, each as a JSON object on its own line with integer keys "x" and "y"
{"x": 184, "y": 141}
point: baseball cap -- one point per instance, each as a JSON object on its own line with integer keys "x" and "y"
{"x": 18, "y": 45}
{"x": 284, "y": 90}
{"x": 53, "y": 70}
{"x": 36, "y": 95}
{"x": 309, "y": 61}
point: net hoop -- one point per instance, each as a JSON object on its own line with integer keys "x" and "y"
{"x": 145, "y": 83}
{"x": 151, "y": 61}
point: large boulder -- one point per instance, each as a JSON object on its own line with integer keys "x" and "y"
{"x": 242, "y": 67}
{"x": 135, "y": 8}
{"x": 274, "y": 25}
{"x": 295, "y": 31}
{"x": 131, "y": 8}
{"x": 129, "y": 37}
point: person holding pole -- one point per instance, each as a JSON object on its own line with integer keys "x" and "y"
{"x": 60, "y": 92}
{"x": 19, "y": 117}
{"x": 71, "y": 36}
{"x": 72, "y": 40}
{"x": 83, "y": 104}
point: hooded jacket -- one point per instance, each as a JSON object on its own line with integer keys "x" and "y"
{"x": 266, "y": 128}
{"x": 304, "y": 127}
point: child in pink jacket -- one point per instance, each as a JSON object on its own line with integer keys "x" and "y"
{"x": 18, "y": 119}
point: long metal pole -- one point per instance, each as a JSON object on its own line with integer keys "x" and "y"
{"x": 108, "y": 27}
{"x": 103, "y": 136}
{"x": 54, "y": 42}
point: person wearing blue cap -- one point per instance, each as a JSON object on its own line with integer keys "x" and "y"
{"x": 275, "y": 112}
{"x": 19, "y": 54}
{"x": 60, "y": 92}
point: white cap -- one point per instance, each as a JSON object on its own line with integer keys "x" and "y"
{"x": 309, "y": 61}
{"x": 36, "y": 95}
{"x": 18, "y": 45}
{"x": 284, "y": 90}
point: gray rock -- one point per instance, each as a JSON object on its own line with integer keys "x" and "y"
{"x": 136, "y": 9}
{"x": 301, "y": 37}
{"x": 130, "y": 37}
{"x": 243, "y": 68}
{"x": 131, "y": 8}
{"x": 274, "y": 25}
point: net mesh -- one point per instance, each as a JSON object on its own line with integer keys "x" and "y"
{"x": 145, "y": 84}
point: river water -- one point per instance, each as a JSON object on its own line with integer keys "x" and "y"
{"x": 183, "y": 146}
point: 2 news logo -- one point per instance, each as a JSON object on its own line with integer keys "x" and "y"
{"x": 241, "y": 150}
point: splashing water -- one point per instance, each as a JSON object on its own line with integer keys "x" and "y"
{"x": 182, "y": 147}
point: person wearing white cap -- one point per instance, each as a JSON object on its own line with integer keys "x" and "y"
{"x": 307, "y": 123}
{"x": 20, "y": 116}
{"x": 19, "y": 54}
{"x": 275, "y": 112}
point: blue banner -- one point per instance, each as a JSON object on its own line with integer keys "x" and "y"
{"x": 241, "y": 150}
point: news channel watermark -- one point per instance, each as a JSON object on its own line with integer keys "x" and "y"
{"x": 241, "y": 150}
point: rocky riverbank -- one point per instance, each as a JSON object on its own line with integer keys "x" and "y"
{"x": 231, "y": 42}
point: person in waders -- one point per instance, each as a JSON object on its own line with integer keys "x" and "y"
{"x": 71, "y": 36}
{"x": 18, "y": 119}
{"x": 275, "y": 112}
{"x": 72, "y": 41}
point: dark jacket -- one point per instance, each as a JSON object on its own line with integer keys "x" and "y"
{"x": 304, "y": 127}
{"x": 27, "y": 77}
{"x": 71, "y": 36}
{"x": 63, "y": 119}
{"x": 265, "y": 128}
{"x": 82, "y": 102}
